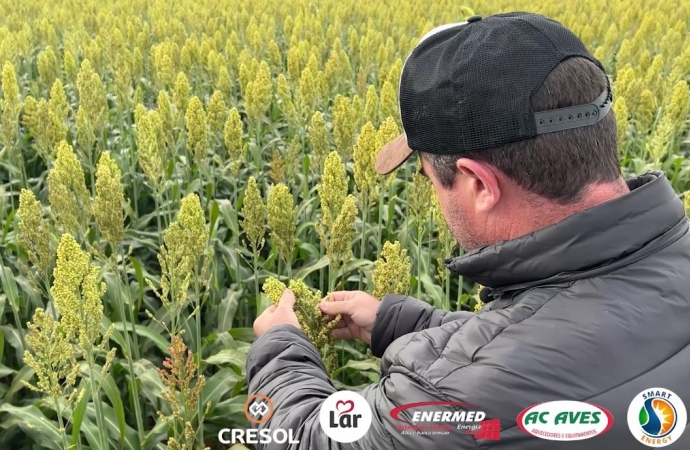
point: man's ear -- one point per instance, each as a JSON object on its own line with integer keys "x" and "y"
{"x": 482, "y": 181}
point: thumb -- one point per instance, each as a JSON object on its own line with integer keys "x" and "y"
{"x": 287, "y": 300}
{"x": 345, "y": 307}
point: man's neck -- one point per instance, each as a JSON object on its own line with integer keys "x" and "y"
{"x": 532, "y": 214}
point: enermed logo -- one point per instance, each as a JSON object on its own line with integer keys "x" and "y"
{"x": 258, "y": 409}
{"x": 657, "y": 417}
{"x": 345, "y": 416}
{"x": 565, "y": 420}
{"x": 435, "y": 418}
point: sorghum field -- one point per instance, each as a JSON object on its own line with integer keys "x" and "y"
{"x": 161, "y": 161}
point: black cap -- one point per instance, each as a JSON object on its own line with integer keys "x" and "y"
{"x": 467, "y": 86}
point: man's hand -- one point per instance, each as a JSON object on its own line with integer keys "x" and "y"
{"x": 358, "y": 313}
{"x": 280, "y": 314}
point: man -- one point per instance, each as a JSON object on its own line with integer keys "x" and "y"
{"x": 587, "y": 276}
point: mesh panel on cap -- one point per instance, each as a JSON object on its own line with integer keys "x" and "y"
{"x": 469, "y": 87}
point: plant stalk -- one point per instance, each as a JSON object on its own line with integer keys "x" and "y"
{"x": 63, "y": 431}
{"x": 128, "y": 350}
{"x": 97, "y": 403}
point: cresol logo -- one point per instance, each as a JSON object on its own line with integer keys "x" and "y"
{"x": 565, "y": 420}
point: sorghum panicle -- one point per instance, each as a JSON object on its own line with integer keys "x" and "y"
{"x": 77, "y": 294}
{"x": 259, "y": 93}
{"x": 318, "y": 138}
{"x": 344, "y": 125}
{"x": 254, "y": 213}
{"x": 52, "y": 357}
{"x": 70, "y": 201}
{"x": 339, "y": 248}
{"x": 152, "y": 154}
{"x": 364, "y": 156}
{"x": 317, "y": 326}
{"x": 34, "y": 232}
{"x": 232, "y": 138}
{"x": 371, "y": 106}
{"x": 391, "y": 271}
{"x": 217, "y": 110}
{"x": 281, "y": 220}
{"x": 181, "y": 92}
{"x": 197, "y": 132}
{"x": 332, "y": 189}
{"x": 109, "y": 201}
{"x": 277, "y": 171}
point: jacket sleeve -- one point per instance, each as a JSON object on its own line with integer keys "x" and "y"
{"x": 284, "y": 366}
{"x": 399, "y": 315}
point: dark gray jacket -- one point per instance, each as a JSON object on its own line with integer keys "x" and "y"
{"x": 595, "y": 308}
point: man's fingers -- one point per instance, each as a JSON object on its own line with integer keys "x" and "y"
{"x": 337, "y": 307}
{"x": 271, "y": 308}
{"x": 340, "y": 296}
{"x": 342, "y": 333}
{"x": 287, "y": 300}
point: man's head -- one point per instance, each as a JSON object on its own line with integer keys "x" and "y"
{"x": 503, "y": 154}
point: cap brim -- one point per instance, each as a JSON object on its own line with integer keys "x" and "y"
{"x": 393, "y": 155}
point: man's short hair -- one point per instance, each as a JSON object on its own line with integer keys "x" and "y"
{"x": 559, "y": 165}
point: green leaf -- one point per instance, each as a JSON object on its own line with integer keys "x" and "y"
{"x": 228, "y": 356}
{"x": 91, "y": 432}
{"x": 116, "y": 336}
{"x": 304, "y": 271}
{"x": 9, "y": 286}
{"x": 2, "y": 343}
{"x": 5, "y": 371}
{"x": 242, "y": 334}
{"x": 220, "y": 384}
{"x": 32, "y": 421}
{"x": 79, "y": 413}
{"x": 24, "y": 374}
{"x": 231, "y": 410}
{"x": 151, "y": 383}
{"x": 364, "y": 365}
{"x": 227, "y": 210}
{"x": 158, "y": 433}
{"x": 13, "y": 337}
{"x": 141, "y": 284}
{"x": 148, "y": 333}
{"x": 130, "y": 439}
{"x": 227, "y": 309}
{"x": 264, "y": 303}
{"x": 113, "y": 393}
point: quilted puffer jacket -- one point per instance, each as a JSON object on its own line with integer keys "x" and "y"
{"x": 595, "y": 308}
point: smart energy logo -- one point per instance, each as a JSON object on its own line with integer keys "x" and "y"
{"x": 657, "y": 417}
{"x": 345, "y": 416}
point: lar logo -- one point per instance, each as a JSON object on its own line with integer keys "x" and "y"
{"x": 345, "y": 416}
{"x": 657, "y": 417}
{"x": 565, "y": 420}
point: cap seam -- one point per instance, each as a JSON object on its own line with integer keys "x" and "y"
{"x": 543, "y": 34}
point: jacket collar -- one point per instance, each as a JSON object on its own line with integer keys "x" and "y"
{"x": 588, "y": 239}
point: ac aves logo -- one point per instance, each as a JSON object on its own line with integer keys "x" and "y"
{"x": 565, "y": 420}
